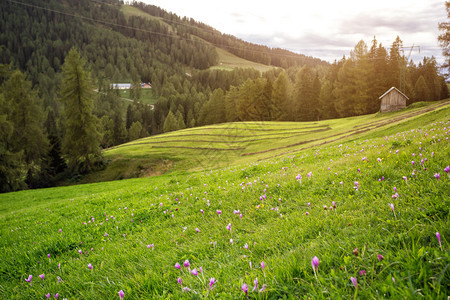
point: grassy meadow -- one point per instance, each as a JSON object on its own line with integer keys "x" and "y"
{"x": 147, "y": 96}
{"x": 222, "y": 145}
{"x": 368, "y": 206}
{"x": 229, "y": 61}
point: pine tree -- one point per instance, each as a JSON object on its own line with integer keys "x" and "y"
{"x": 10, "y": 162}
{"x": 81, "y": 139}
{"x": 171, "y": 122}
{"x": 421, "y": 90}
{"x": 135, "y": 131}
{"x": 303, "y": 98}
{"x": 27, "y": 118}
{"x": 444, "y": 38}
{"x": 180, "y": 121}
{"x": 281, "y": 97}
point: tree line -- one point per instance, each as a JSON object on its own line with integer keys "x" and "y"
{"x": 351, "y": 86}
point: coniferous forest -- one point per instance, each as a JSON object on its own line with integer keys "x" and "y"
{"x": 49, "y": 49}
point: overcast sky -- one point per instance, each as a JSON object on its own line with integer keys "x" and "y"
{"x": 323, "y": 29}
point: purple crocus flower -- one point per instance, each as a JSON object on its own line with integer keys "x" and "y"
{"x": 29, "y": 278}
{"x": 231, "y": 241}
{"x": 255, "y": 282}
{"x": 263, "y": 288}
{"x": 438, "y": 236}
{"x": 246, "y": 246}
{"x": 179, "y": 281}
{"x": 229, "y": 226}
{"x": 90, "y": 266}
{"x": 212, "y": 281}
{"x": 198, "y": 230}
{"x": 42, "y": 276}
{"x": 380, "y": 257}
{"x": 219, "y": 212}
{"x": 56, "y": 295}
{"x": 186, "y": 263}
{"x": 194, "y": 272}
{"x": 263, "y": 265}
{"x": 362, "y": 273}
{"x": 315, "y": 263}
{"x": 447, "y": 169}
{"x": 121, "y": 294}
{"x": 48, "y": 296}
{"x": 437, "y": 176}
{"x": 354, "y": 281}
{"x": 178, "y": 266}
{"x": 245, "y": 289}
{"x": 391, "y": 206}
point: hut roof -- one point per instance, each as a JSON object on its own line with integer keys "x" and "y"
{"x": 390, "y": 90}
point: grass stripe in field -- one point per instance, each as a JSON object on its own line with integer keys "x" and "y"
{"x": 268, "y": 139}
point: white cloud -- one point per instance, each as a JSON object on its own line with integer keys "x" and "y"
{"x": 325, "y": 29}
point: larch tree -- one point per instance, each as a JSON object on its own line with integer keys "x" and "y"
{"x": 27, "y": 118}
{"x": 81, "y": 143}
{"x": 444, "y": 37}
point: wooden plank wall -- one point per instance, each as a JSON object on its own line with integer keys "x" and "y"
{"x": 393, "y": 101}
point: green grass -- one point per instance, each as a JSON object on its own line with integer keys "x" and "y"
{"x": 129, "y": 10}
{"x": 112, "y": 223}
{"x": 147, "y": 96}
{"x": 222, "y": 145}
{"x": 229, "y": 61}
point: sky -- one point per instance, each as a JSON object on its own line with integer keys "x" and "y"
{"x": 321, "y": 28}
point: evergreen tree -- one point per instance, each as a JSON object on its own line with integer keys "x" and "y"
{"x": 281, "y": 97}
{"x": 56, "y": 161}
{"x": 27, "y": 119}
{"x": 135, "y": 131}
{"x": 180, "y": 120}
{"x": 396, "y": 64}
{"x": 326, "y": 101}
{"x": 303, "y": 98}
{"x": 231, "y": 100}
{"x": 170, "y": 123}
{"x": 11, "y": 171}
{"x": 81, "y": 140}
{"x": 421, "y": 90}
{"x": 444, "y": 38}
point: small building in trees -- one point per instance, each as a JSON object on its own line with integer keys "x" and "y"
{"x": 120, "y": 86}
{"x": 393, "y": 100}
{"x": 146, "y": 85}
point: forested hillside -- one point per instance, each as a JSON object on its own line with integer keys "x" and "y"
{"x": 175, "y": 56}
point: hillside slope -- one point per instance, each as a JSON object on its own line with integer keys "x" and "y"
{"x": 361, "y": 219}
{"x": 228, "y": 144}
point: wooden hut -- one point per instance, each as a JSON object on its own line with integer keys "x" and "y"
{"x": 392, "y": 100}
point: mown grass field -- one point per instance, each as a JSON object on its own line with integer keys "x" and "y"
{"x": 227, "y": 144}
{"x": 368, "y": 206}
{"x": 229, "y": 61}
{"x": 147, "y": 96}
